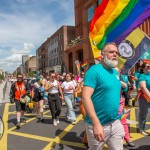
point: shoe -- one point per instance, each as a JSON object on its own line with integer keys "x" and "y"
{"x": 133, "y": 103}
{"x": 73, "y": 122}
{"x": 143, "y": 132}
{"x": 42, "y": 119}
{"x": 57, "y": 120}
{"x": 125, "y": 111}
{"x": 23, "y": 120}
{"x": 54, "y": 122}
{"x": 18, "y": 125}
{"x": 130, "y": 145}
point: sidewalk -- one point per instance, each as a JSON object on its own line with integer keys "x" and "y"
{"x": 6, "y": 94}
{"x": 1, "y": 90}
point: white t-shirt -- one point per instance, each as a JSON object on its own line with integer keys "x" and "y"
{"x": 69, "y": 86}
{"x": 54, "y": 89}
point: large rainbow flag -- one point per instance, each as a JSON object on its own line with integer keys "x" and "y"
{"x": 114, "y": 20}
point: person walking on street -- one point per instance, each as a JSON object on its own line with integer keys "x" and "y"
{"x": 144, "y": 98}
{"x": 19, "y": 89}
{"x": 38, "y": 98}
{"x": 101, "y": 97}
{"x": 54, "y": 98}
{"x": 68, "y": 87}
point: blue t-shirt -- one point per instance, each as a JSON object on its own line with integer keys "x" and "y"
{"x": 146, "y": 78}
{"x": 106, "y": 96}
{"x": 136, "y": 75}
{"x": 125, "y": 79}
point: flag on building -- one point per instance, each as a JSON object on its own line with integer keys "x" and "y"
{"x": 114, "y": 20}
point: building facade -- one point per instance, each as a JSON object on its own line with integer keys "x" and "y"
{"x": 42, "y": 58}
{"x": 84, "y": 12}
{"x": 51, "y": 56}
{"x": 24, "y": 59}
{"x": 30, "y": 64}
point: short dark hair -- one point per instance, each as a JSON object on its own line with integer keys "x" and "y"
{"x": 143, "y": 66}
{"x": 19, "y": 75}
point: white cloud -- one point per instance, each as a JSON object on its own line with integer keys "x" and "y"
{"x": 24, "y": 30}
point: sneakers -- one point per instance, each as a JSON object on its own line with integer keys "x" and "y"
{"x": 54, "y": 122}
{"x": 133, "y": 103}
{"x": 130, "y": 145}
{"x": 42, "y": 119}
{"x": 73, "y": 122}
{"x": 57, "y": 120}
{"x": 18, "y": 125}
{"x": 143, "y": 132}
{"x": 23, "y": 120}
{"x": 125, "y": 111}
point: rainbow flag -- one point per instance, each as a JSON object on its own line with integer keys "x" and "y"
{"x": 114, "y": 20}
{"x": 84, "y": 64}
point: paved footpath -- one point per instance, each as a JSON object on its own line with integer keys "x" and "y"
{"x": 35, "y": 135}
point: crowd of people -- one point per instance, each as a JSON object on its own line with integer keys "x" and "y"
{"x": 105, "y": 95}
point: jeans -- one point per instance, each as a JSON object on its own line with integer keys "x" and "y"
{"x": 54, "y": 103}
{"x": 114, "y": 135}
{"x": 143, "y": 111}
{"x": 69, "y": 100}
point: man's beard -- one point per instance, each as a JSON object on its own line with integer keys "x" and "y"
{"x": 110, "y": 63}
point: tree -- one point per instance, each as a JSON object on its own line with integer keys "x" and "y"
{"x": 31, "y": 73}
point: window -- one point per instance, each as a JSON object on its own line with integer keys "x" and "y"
{"x": 90, "y": 12}
{"x": 59, "y": 36}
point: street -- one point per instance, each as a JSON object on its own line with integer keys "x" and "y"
{"x": 44, "y": 136}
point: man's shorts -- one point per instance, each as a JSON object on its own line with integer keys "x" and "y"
{"x": 20, "y": 106}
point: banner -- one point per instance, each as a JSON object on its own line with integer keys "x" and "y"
{"x": 132, "y": 48}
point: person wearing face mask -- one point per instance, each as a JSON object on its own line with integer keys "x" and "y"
{"x": 101, "y": 97}
{"x": 19, "y": 89}
{"x": 144, "y": 96}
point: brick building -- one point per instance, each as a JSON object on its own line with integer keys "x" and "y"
{"x": 51, "y": 56}
{"x": 42, "y": 57}
{"x": 30, "y": 64}
{"x": 84, "y": 11}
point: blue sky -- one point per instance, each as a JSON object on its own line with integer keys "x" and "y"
{"x": 26, "y": 24}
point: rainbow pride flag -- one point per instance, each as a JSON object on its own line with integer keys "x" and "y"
{"x": 114, "y": 20}
{"x": 84, "y": 64}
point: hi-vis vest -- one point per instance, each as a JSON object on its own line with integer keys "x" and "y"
{"x": 19, "y": 90}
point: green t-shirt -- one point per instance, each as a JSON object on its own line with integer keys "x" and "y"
{"x": 106, "y": 96}
{"x": 146, "y": 78}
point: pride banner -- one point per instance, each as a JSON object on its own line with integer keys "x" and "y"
{"x": 131, "y": 49}
{"x": 118, "y": 19}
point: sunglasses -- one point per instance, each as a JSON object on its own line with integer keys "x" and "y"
{"x": 53, "y": 76}
{"x": 147, "y": 67}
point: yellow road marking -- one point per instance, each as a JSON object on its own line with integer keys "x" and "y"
{"x": 31, "y": 136}
{"x": 132, "y": 117}
{"x": 62, "y": 134}
{"x": 72, "y": 143}
{"x": 29, "y": 120}
{"x": 3, "y": 141}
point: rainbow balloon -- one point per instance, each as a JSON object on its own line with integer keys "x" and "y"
{"x": 114, "y": 20}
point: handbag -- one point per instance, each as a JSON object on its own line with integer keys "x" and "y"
{"x": 25, "y": 100}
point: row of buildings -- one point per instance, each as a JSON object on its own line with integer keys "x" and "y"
{"x": 70, "y": 43}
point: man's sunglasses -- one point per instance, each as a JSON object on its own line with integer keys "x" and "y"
{"x": 147, "y": 67}
{"x": 53, "y": 76}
